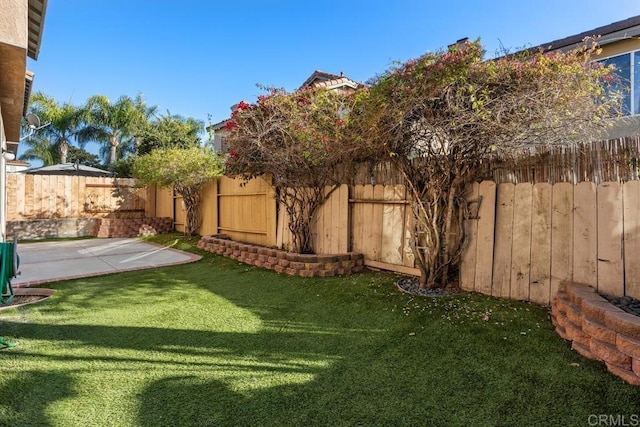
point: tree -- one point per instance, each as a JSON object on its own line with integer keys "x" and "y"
{"x": 298, "y": 139}
{"x": 40, "y": 148}
{"x": 437, "y": 117}
{"x": 52, "y": 142}
{"x": 83, "y": 157}
{"x": 115, "y": 124}
{"x": 184, "y": 170}
{"x": 169, "y": 131}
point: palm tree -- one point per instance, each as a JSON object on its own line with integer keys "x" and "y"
{"x": 115, "y": 124}
{"x": 65, "y": 121}
{"x": 40, "y": 148}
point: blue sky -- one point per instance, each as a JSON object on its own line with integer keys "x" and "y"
{"x": 198, "y": 57}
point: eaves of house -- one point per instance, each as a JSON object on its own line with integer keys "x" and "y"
{"x": 21, "y": 25}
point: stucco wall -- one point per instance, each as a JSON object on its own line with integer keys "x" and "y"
{"x": 13, "y": 22}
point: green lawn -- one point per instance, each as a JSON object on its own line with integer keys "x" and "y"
{"x": 219, "y": 343}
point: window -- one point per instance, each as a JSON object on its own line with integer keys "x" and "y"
{"x": 627, "y": 70}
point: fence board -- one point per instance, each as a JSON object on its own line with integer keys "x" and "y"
{"x": 485, "y": 242}
{"x": 521, "y": 242}
{"x": 503, "y": 241}
{"x": 334, "y": 232}
{"x": 409, "y": 225}
{"x": 541, "y": 220}
{"x": 368, "y": 226}
{"x": 610, "y": 264}
{"x": 376, "y": 222}
{"x": 561, "y": 235}
{"x": 468, "y": 261}
{"x": 631, "y": 217}
{"x": 392, "y": 221}
{"x": 585, "y": 235}
{"x": 357, "y": 219}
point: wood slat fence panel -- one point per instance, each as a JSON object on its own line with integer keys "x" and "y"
{"x": 631, "y": 203}
{"x": 63, "y": 196}
{"x": 541, "y": 219}
{"x": 610, "y": 263}
{"x": 246, "y": 210}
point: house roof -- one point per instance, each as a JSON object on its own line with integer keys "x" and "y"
{"x": 613, "y": 32}
{"x": 16, "y": 81}
{"x": 68, "y": 169}
{"x": 37, "y": 10}
{"x": 329, "y": 81}
{"x": 318, "y": 79}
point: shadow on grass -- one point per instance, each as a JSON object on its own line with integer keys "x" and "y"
{"x": 45, "y": 388}
{"x": 357, "y": 356}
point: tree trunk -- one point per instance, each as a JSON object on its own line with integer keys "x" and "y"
{"x": 113, "y": 147}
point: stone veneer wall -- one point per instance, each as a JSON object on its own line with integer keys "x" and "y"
{"x": 284, "y": 262}
{"x": 35, "y": 229}
{"x": 132, "y": 227}
{"x": 598, "y": 330}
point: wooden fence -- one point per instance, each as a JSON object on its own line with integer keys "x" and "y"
{"x": 245, "y": 211}
{"x": 59, "y": 196}
{"x": 528, "y": 238}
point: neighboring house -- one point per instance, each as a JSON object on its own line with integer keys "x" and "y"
{"x": 620, "y": 43}
{"x": 318, "y": 79}
{"x": 21, "y": 24}
{"x": 17, "y": 166}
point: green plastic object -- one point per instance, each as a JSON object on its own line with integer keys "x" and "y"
{"x": 7, "y": 270}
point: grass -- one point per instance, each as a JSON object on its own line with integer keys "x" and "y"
{"x": 220, "y": 343}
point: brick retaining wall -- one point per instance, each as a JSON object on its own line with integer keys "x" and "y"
{"x": 35, "y": 229}
{"x": 598, "y": 330}
{"x": 304, "y": 265}
{"x": 132, "y": 227}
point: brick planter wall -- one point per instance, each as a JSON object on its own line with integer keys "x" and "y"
{"x": 132, "y": 227}
{"x": 598, "y": 330}
{"x": 284, "y": 262}
{"x": 34, "y": 229}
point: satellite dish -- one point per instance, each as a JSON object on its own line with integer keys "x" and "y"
{"x": 33, "y": 120}
{"x": 34, "y": 125}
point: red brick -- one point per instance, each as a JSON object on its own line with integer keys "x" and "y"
{"x": 297, "y": 265}
{"x": 561, "y": 319}
{"x": 635, "y": 366}
{"x": 583, "y": 350}
{"x": 279, "y": 268}
{"x": 358, "y": 269}
{"x": 595, "y": 310}
{"x": 262, "y": 257}
{"x": 628, "y": 346}
{"x": 307, "y": 273}
{"x": 326, "y": 273}
{"x": 625, "y": 374}
{"x": 331, "y": 265}
{"x": 574, "y": 315}
{"x": 581, "y": 295}
{"x": 574, "y": 333}
{"x": 598, "y": 331}
{"x": 291, "y": 271}
{"x": 313, "y": 266}
{"x": 624, "y": 323}
{"x": 562, "y": 302}
{"x": 283, "y": 263}
{"x": 610, "y": 354}
{"x": 272, "y": 260}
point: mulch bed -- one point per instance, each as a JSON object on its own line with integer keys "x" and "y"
{"x": 411, "y": 285}
{"x": 626, "y": 303}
